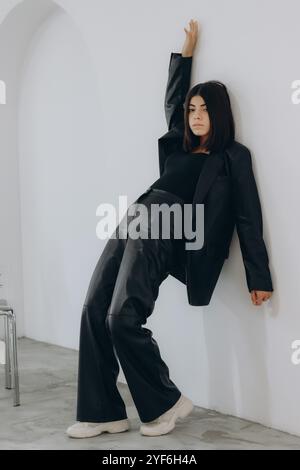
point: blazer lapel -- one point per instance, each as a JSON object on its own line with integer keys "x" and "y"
{"x": 210, "y": 170}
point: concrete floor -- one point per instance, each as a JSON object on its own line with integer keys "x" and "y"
{"x": 48, "y": 381}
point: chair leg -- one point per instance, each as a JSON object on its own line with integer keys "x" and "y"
{"x": 7, "y": 353}
{"x": 15, "y": 360}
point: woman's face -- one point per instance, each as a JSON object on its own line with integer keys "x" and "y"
{"x": 198, "y": 117}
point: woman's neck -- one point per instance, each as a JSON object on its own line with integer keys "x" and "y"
{"x": 200, "y": 150}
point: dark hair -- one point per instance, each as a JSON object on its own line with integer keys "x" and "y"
{"x": 222, "y": 128}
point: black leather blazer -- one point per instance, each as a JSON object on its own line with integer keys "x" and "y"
{"x": 227, "y": 188}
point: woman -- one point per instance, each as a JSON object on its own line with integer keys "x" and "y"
{"x": 126, "y": 280}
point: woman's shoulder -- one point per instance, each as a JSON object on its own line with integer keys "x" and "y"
{"x": 240, "y": 158}
{"x": 237, "y": 147}
{"x": 238, "y": 151}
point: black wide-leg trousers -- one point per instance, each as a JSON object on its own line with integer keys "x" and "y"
{"x": 120, "y": 297}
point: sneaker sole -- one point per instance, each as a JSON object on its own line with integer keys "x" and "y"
{"x": 111, "y": 429}
{"x": 182, "y": 412}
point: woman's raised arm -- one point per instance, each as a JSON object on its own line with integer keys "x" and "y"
{"x": 179, "y": 78}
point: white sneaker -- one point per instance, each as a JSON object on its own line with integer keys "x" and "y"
{"x": 166, "y": 422}
{"x": 83, "y": 429}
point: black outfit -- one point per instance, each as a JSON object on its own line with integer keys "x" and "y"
{"x": 227, "y": 188}
{"x": 120, "y": 298}
{"x": 181, "y": 173}
{"x": 126, "y": 280}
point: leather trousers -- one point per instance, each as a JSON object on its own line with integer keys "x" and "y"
{"x": 120, "y": 297}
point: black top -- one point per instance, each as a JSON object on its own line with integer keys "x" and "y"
{"x": 181, "y": 173}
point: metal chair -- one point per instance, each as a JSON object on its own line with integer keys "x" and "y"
{"x": 11, "y": 359}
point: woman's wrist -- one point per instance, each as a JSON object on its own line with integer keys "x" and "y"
{"x": 187, "y": 53}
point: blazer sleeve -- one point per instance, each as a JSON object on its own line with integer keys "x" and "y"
{"x": 178, "y": 84}
{"x": 249, "y": 224}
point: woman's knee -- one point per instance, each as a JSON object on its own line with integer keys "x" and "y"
{"x": 120, "y": 324}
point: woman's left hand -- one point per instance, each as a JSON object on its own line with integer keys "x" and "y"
{"x": 259, "y": 296}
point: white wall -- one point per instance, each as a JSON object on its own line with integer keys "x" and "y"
{"x": 85, "y": 69}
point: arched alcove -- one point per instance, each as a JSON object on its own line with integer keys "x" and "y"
{"x": 49, "y": 130}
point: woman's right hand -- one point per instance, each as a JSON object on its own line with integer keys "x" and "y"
{"x": 190, "y": 40}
